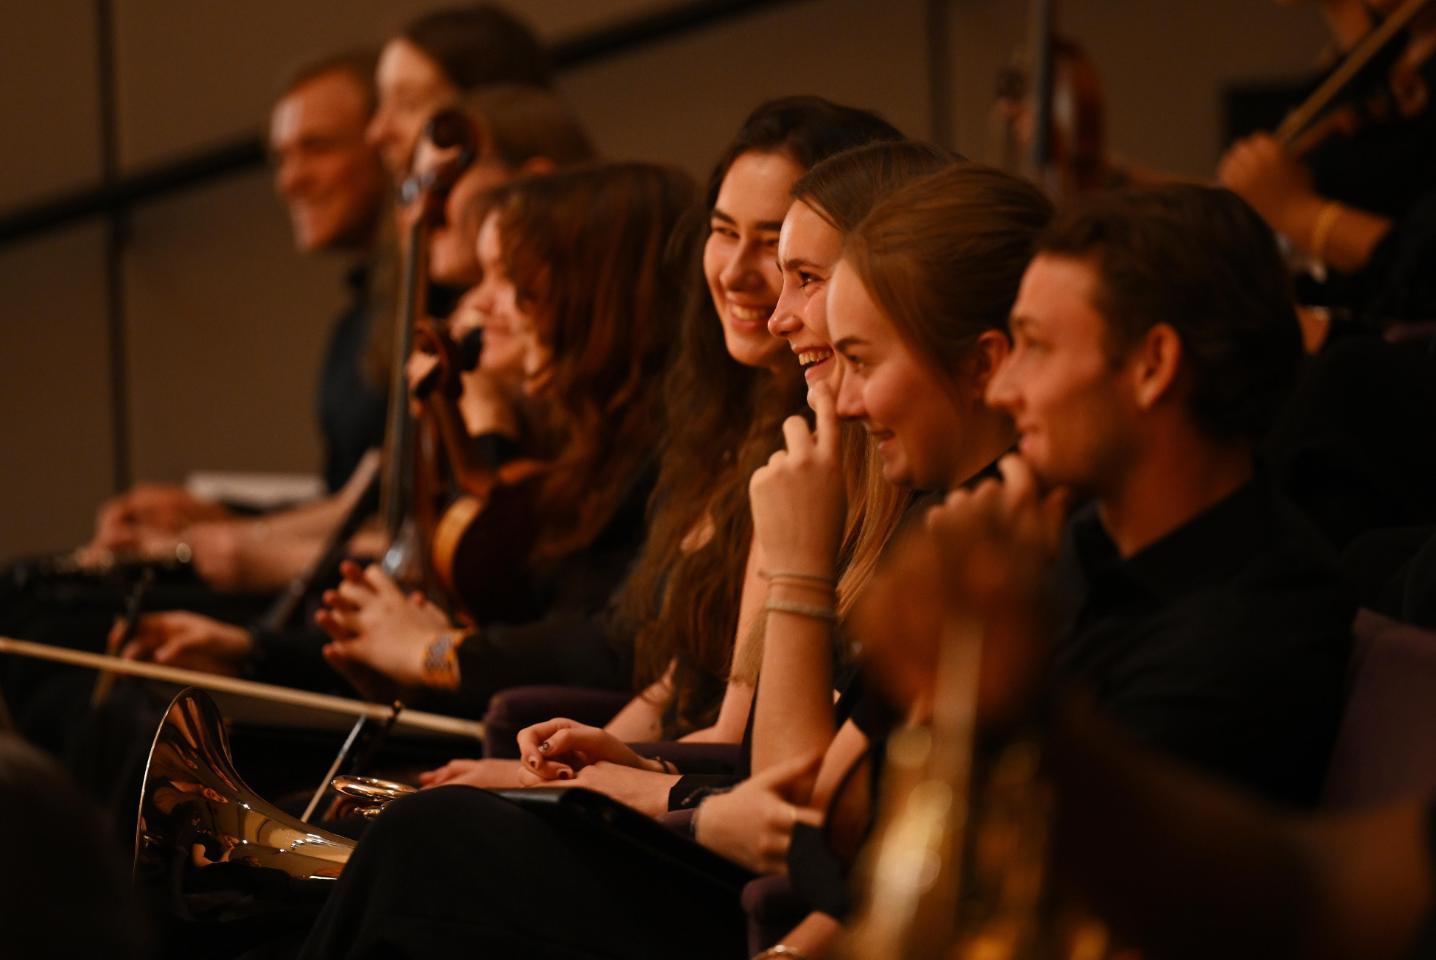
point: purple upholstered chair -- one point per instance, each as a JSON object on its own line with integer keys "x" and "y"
{"x": 518, "y": 707}
{"x": 1386, "y": 749}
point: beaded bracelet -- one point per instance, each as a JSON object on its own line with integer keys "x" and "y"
{"x": 441, "y": 660}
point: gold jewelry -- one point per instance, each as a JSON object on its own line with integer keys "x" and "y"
{"x": 774, "y": 575}
{"x": 441, "y": 661}
{"x": 826, "y": 589}
{"x": 1321, "y": 229}
{"x": 780, "y": 951}
{"x": 802, "y": 609}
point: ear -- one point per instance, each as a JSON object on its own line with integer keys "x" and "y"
{"x": 989, "y": 352}
{"x": 1156, "y": 362}
{"x": 538, "y": 165}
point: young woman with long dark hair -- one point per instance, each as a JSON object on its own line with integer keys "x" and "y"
{"x": 579, "y": 262}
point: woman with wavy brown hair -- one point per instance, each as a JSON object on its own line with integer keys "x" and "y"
{"x": 580, "y": 263}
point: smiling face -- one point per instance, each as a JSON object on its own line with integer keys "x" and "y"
{"x": 740, "y": 258}
{"x": 908, "y": 409}
{"x": 510, "y": 339}
{"x": 808, "y": 249}
{"x": 1072, "y": 404}
{"x": 410, "y": 86}
{"x": 330, "y": 179}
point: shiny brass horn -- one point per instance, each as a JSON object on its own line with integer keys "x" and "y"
{"x": 208, "y": 844}
{"x": 369, "y": 795}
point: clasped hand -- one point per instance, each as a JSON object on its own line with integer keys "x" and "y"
{"x": 558, "y": 749}
{"x": 798, "y": 498}
{"x": 375, "y": 629}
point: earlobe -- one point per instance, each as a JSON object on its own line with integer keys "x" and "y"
{"x": 1157, "y": 365}
{"x": 988, "y": 355}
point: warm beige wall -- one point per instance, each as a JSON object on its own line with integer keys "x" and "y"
{"x": 1163, "y": 64}
{"x": 48, "y": 100}
{"x": 683, "y": 100}
{"x": 225, "y": 324}
{"x": 55, "y": 450}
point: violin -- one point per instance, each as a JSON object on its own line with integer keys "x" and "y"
{"x": 1379, "y": 81}
{"x": 406, "y": 484}
{"x": 480, "y": 539}
{"x": 1051, "y": 113}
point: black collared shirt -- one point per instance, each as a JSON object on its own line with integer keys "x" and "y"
{"x": 351, "y": 409}
{"x": 1225, "y": 643}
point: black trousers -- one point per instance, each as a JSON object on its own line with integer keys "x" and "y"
{"x": 462, "y": 872}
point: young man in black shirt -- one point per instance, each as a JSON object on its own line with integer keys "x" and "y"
{"x": 1153, "y": 339}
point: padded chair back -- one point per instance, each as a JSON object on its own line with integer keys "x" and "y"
{"x": 518, "y": 707}
{"x": 1386, "y": 749}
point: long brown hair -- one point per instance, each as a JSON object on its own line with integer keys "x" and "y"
{"x": 943, "y": 257}
{"x": 841, "y": 190}
{"x": 589, "y": 248}
{"x": 724, "y": 422}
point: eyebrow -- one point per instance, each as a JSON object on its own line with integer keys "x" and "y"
{"x": 847, "y": 342}
{"x": 765, "y": 226}
{"x": 1019, "y": 321}
{"x": 797, "y": 263}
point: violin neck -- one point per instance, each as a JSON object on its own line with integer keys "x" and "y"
{"x": 398, "y": 486}
{"x": 1300, "y": 120}
{"x": 1040, "y": 50}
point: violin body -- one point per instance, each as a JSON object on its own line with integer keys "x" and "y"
{"x": 480, "y": 548}
{"x": 482, "y": 520}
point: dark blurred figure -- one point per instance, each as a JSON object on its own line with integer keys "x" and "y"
{"x": 434, "y": 58}
{"x": 332, "y": 184}
{"x": 64, "y": 891}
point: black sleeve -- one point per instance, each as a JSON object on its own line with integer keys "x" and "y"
{"x": 693, "y": 788}
{"x": 818, "y": 875}
{"x": 566, "y": 648}
{"x": 1426, "y": 942}
{"x": 1398, "y": 278}
{"x": 291, "y": 657}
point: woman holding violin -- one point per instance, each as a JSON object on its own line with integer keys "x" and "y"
{"x": 515, "y": 129}
{"x": 578, "y": 263}
{"x": 1345, "y": 170}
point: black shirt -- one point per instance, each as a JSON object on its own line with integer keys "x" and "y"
{"x": 1225, "y": 643}
{"x": 351, "y": 408}
{"x": 568, "y": 639}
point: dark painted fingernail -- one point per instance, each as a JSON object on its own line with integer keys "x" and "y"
{"x": 543, "y": 747}
{"x": 533, "y": 762}
{"x": 565, "y": 775}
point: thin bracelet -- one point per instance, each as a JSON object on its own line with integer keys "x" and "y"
{"x": 794, "y": 575}
{"x": 1321, "y": 230}
{"x": 779, "y": 950}
{"x": 779, "y": 580}
{"x": 693, "y": 820}
{"x": 803, "y": 610}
